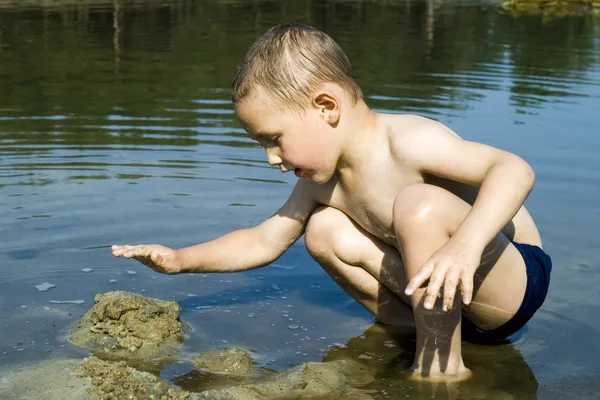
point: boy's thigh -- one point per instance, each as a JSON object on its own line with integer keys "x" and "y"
{"x": 499, "y": 284}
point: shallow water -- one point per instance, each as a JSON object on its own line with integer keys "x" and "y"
{"x": 116, "y": 127}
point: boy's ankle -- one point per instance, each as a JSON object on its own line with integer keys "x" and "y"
{"x": 440, "y": 365}
{"x": 459, "y": 374}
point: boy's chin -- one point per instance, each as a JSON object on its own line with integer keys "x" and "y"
{"x": 316, "y": 177}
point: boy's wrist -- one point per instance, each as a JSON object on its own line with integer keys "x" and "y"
{"x": 182, "y": 260}
{"x": 475, "y": 240}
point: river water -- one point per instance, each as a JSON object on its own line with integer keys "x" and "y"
{"x": 116, "y": 126}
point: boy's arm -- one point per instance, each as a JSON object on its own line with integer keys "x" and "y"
{"x": 505, "y": 181}
{"x": 236, "y": 251}
{"x": 258, "y": 246}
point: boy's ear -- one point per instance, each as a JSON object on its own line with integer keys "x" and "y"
{"x": 328, "y": 104}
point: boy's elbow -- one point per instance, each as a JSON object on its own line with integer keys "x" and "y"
{"x": 525, "y": 173}
{"x": 528, "y": 175}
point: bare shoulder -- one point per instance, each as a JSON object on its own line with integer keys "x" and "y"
{"x": 408, "y": 133}
{"x": 432, "y": 148}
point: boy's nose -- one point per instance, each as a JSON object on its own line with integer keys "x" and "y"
{"x": 273, "y": 159}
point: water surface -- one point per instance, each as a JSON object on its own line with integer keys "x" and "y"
{"x": 116, "y": 127}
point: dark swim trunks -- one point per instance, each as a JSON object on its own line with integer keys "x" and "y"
{"x": 539, "y": 266}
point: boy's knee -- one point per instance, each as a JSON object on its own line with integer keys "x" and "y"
{"x": 322, "y": 233}
{"x": 414, "y": 208}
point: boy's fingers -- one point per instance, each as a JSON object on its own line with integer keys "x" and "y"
{"x": 119, "y": 250}
{"x": 435, "y": 284}
{"x": 137, "y": 251}
{"x": 421, "y": 276}
{"x": 467, "y": 284}
{"x": 429, "y": 301}
{"x": 450, "y": 288}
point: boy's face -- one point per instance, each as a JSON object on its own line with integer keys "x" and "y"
{"x": 301, "y": 142}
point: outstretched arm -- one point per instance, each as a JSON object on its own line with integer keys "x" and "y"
{"x": 240, "y": 250}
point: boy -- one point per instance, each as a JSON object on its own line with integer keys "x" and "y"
{"x": 393, "y": 207}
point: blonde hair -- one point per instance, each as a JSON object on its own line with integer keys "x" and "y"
{"x": 290, "y": 61}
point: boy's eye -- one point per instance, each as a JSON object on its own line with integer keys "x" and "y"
{"x": 273, "y": 140}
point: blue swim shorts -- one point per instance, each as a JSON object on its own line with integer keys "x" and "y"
{"x": 539, "y": 266}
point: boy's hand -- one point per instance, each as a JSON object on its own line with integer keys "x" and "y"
{"x": 450, "y": 264}
{"x": 159, "y": 258}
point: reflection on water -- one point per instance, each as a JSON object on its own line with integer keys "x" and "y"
{"x": 116, "y": 127}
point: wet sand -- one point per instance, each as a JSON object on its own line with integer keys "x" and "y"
{"x": 51, "y": 380}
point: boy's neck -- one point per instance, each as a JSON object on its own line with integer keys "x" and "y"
{"x": 360, "y": 127}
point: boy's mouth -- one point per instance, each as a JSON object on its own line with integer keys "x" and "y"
{"x": 297, "y": 172}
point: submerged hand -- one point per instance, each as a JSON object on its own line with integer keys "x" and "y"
{"x": 451, "y": 264}
{"x": 159, "y": 258}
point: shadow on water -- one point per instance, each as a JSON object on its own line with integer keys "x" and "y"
{"x": 116, "y": 127}
{"x": 498, "y": 370}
